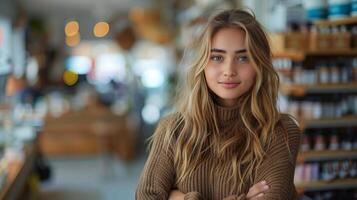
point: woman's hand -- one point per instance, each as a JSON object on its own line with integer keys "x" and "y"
{"x": 254, "y": 193}
{"x": 176, "y": 195}
{"x": 257, "y": 190}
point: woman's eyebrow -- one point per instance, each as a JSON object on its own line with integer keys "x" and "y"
{"x": 241, "y": 51}
{"x": 218, "y": 50}
{"x": 224, "y": 51}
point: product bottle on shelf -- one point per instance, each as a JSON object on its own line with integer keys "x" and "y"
{"x": 353, "y": 70}
{"x": 319, "y": 143}
{"x": 334, "y": 144}
{"x": 323, "y": 73}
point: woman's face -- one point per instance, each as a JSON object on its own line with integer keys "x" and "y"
{"x": 229, "y": 73}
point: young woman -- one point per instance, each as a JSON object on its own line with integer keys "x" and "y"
{"x": 227, "y": 139}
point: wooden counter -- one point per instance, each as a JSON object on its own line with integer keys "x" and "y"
{"x": 88, "y": 132}
{"x": 18, "y": 174}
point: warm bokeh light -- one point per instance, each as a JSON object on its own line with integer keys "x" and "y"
{"x": 70, "y": 78}
{"x": 101, "y": 29}
{"x": 73, "y": 40}
{"x": 71, "y": 29}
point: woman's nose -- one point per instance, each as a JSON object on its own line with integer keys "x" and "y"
{"x": 229, "y": 69}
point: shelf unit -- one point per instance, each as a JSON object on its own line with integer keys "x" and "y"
{"x": 327, "y": 155}
{"x": 302, "y": 55}
{"x": 310, "y": 186}
{"x": 300, "y": 91}
{"x": 329, "y": 122}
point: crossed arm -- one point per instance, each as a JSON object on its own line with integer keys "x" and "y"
{"x": 277, "y": 170}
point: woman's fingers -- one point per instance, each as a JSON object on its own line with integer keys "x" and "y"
{"x": 257, "y": 189}
{"x": 176, "y": 195}
{"x": 259, "y": 196}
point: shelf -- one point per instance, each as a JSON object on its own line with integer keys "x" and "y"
{"x": 327, "y": 185}
{"x": 329, "y": 122}
{"x": 343, "y": 21}
{"x": 302, "y": 90}
{"x": 293, "y": 55}
{"x": 327, "y": 155}
{"x": 301, "y": 55}
{"x": 348, "y": 52}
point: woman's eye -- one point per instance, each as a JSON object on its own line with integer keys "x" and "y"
{"x": 216, "y": 58}
{"x": 242, "y": 59}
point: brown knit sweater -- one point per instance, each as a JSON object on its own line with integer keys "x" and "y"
{"x": 158, "y": 176}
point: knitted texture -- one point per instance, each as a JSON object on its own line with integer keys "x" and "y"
{"x": 159, "y": 173}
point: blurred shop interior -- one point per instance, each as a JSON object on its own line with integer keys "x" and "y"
{"x": 83, "y": 84}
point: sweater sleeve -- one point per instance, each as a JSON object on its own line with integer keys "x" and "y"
{"x": 235, "y": 197}
{"x": 158, "y": 175}
{"x": 193, "y": 196}
{"x": 279, "y": 165}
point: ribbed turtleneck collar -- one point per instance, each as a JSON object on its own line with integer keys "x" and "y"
{"x": 226, "y": 114}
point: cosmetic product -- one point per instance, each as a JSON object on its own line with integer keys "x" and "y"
{"x": 298, "y": 75}
{"x": 344, "y": 74}
{"x": 344, "y": 169}
{"x": 335, "y": 169}
{"x": 334, "y": 73}
{"x": 323, "y": 74}
{"x": 319, "y": 143}
{"x": 307, "y": 172}
{"x": 353, "y": 169}
{"x": 327, "y": 172}
{"x": 354, "y": 66}
{"x": 315, "y": 171}
{"x": 305, "y": 145}
{"x": 334, "y": 144}
{"x": 317, "y": 110}
{"x": 347, "y": 140}
{"x": 355, "y": 142}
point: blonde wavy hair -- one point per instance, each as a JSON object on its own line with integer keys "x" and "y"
{"x": 194, "y": 131}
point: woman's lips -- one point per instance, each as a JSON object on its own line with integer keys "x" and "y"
{"x": 229, "y": 85}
